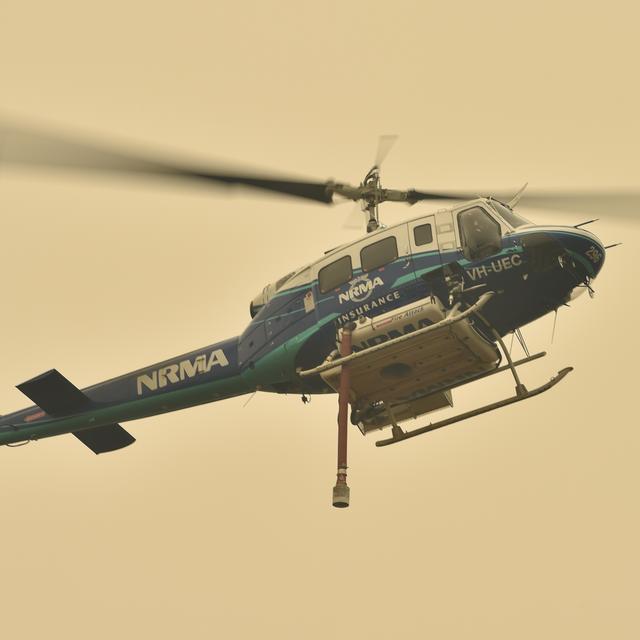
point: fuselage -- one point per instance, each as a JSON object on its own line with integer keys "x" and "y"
{"x": 534, "y": 269}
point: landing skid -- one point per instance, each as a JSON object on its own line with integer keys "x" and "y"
{"x": 521, "y": 394}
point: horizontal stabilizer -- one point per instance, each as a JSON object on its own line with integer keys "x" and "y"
{"x": 107, "y": 438}
{"x": 52, "y": 392}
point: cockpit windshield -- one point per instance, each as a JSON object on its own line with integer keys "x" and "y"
{"x": 508, "y": 214}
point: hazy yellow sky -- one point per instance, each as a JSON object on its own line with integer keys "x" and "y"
{"x": 217, "y": 523}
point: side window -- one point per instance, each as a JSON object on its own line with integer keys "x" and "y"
{"x": 335, "y": 274}
{"x": 480, "y": 233}
{"x": 423, "y": 234}
{"x": 378, "y": 254}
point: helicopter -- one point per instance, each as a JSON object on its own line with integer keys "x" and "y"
{"x": 392, "y": 322}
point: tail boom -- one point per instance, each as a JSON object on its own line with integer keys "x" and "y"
{"x": 206, "y": 375}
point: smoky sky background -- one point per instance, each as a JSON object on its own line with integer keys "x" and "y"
{"x": 217, "y": 522}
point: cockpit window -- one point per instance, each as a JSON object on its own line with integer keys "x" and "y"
{"x": 479, "y": 232}
{"x": 282, "y": 280}
{"x": 509, "y": 215}
{"x": 335, "y": 274}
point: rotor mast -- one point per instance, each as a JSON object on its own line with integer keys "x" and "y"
{"x": 371, "y": 201}
{"x": 371, "y": 194}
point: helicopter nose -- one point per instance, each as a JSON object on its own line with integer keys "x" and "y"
{"x": 585, "y": 250}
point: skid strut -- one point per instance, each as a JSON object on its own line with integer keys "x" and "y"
{"x": 341, "y": 489}
{"x": 522, "y": 393}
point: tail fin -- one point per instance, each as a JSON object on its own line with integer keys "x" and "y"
{"x": 53, "y": 393}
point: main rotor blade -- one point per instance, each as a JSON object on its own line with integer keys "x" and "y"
{"x": 620, "y": 202}
{"x": 44, "y": 150}
{"x": 385, "y": 143}
{"x": 598, "y": 202}
{"x": 414, "y": 196}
